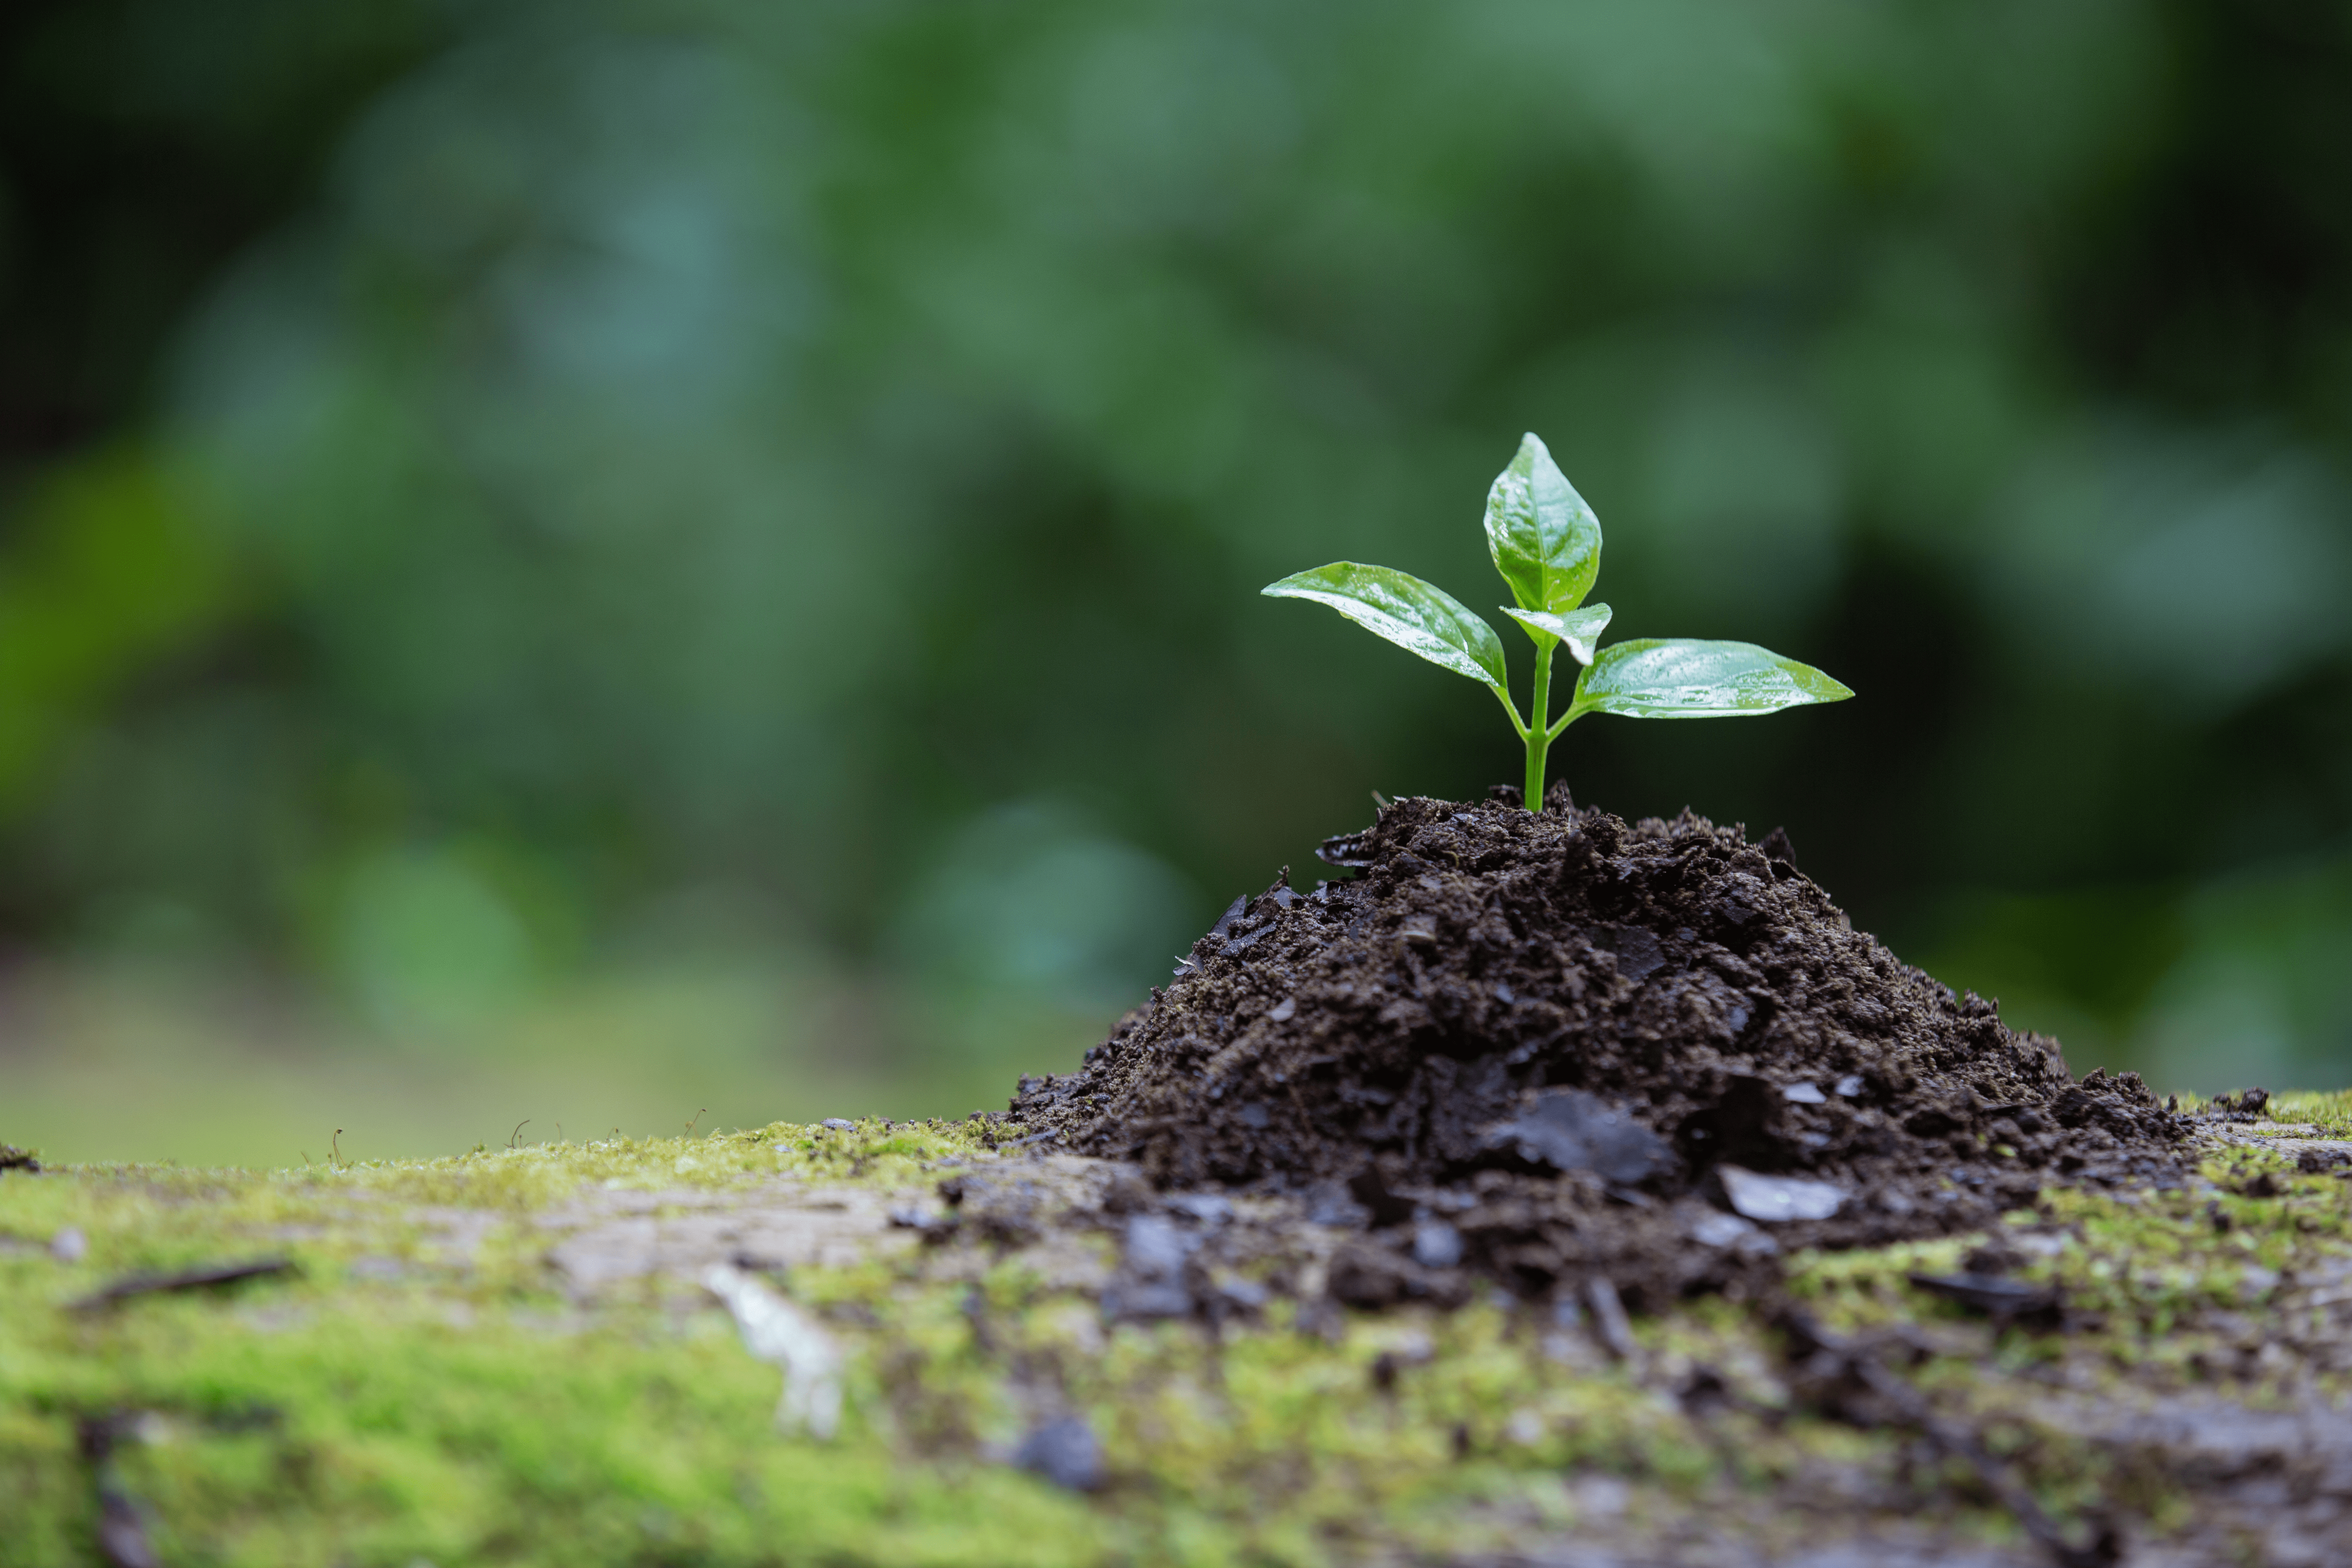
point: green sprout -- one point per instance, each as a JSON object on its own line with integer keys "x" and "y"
{"x": 1546, "y": 544}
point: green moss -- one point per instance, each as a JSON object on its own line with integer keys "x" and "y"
{"x": 2330, "y": 1111}
{"x": 479, "y": 1414}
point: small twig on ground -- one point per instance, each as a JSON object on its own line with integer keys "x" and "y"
{"x": 698, "y": 1116}
{"x": 1610, "y": 1322}
{"x": 1834, "y": 1359}
{"x": 335, "y": 1148}
{"x": 518, "y": 1132}
{"x": 185, "y": 1279}
{"x": 121, "y": 1532}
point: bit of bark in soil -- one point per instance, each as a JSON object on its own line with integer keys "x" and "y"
{"x": 1555, "y": 1048}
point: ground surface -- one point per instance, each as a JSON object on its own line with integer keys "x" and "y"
{"x": 517, "y": 1356}
{"x": 1555, "y": 1190}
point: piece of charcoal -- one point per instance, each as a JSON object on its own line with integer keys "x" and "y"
{"x": 1156, "y": 1247}
{"x": 1246, "y": 1294}
{"x": 2002, "y": 1300}
{"x": 1244, "y": 942}
{"x": 930, "y": 1226}
{"x": 1712, "y": 1227}
{"x": 1436, "y": 1245}
{"x": 1636, "y": 947}
{"x": 1989, "y": 1293}
{"x": 1151, "y": 1279}
{"x": 1572, "y": 1130}
{"x": 1065, "y": 1452}
{"x": 1228, "y": 919}
{"x": 1209, "y": 1208}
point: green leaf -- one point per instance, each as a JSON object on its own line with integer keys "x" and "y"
{"x": 1405, "y": 610}
{"x": 1545, "y": 540}
{"x": 1680, "y": 678}
{"x": 1579, "y": 629}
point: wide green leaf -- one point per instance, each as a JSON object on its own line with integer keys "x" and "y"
{"x": 1681, "y": 677}
{"x": 1407, "y": 611}
{"x": 1545, "y": 540}
{"x": 1579, "y": 629}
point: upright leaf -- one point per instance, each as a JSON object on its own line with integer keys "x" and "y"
{"x": 1579, "y": 629}
{"x": 1407, "y": 611}
{"x": 1545, "y": 540}
{"x": 1680, "y": 678}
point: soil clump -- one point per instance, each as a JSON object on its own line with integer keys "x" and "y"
{"x": 1586, "y": 1059}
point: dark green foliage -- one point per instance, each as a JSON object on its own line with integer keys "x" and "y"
{"x": 605, "y": 456}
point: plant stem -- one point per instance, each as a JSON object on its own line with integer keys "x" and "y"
{"x": 1538, "y": 735}
{"x": 1519, "y": 726}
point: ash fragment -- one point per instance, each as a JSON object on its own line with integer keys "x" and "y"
{"x": 1777, "y": 1199}
{"x": 780, "y": 1333}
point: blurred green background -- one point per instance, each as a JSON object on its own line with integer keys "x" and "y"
{"x": 599, "y": 561}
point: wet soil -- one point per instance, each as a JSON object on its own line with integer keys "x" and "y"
{"x": 1565, "y": 1053}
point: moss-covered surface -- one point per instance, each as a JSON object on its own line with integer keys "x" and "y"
{"x": 2328, "y": 1113}
{"x": 428, "y": 1386}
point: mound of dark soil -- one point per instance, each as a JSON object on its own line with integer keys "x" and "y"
{"x": 1550, "y": 1047}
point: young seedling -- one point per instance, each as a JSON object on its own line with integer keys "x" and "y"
{"x": 1546, "y": 544}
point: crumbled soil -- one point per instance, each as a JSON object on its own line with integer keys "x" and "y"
{"x": 1550, "y": 1049}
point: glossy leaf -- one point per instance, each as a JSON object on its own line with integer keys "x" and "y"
{"x": 1680, "y": 678}
{"x": 1579, "y": 629}
{"x": 1407, "y": 611}
{"x": 1545, "y": 540}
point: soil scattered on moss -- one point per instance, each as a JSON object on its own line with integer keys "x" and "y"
{"x": 1558, "y": 1050}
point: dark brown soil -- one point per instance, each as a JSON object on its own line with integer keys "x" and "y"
{"x": 1558, "y": 1049}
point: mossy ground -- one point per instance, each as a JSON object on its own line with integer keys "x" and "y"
{"x": 387, "y": 1405}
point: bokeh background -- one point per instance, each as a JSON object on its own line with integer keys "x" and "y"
{"x": 608, "y": 560}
